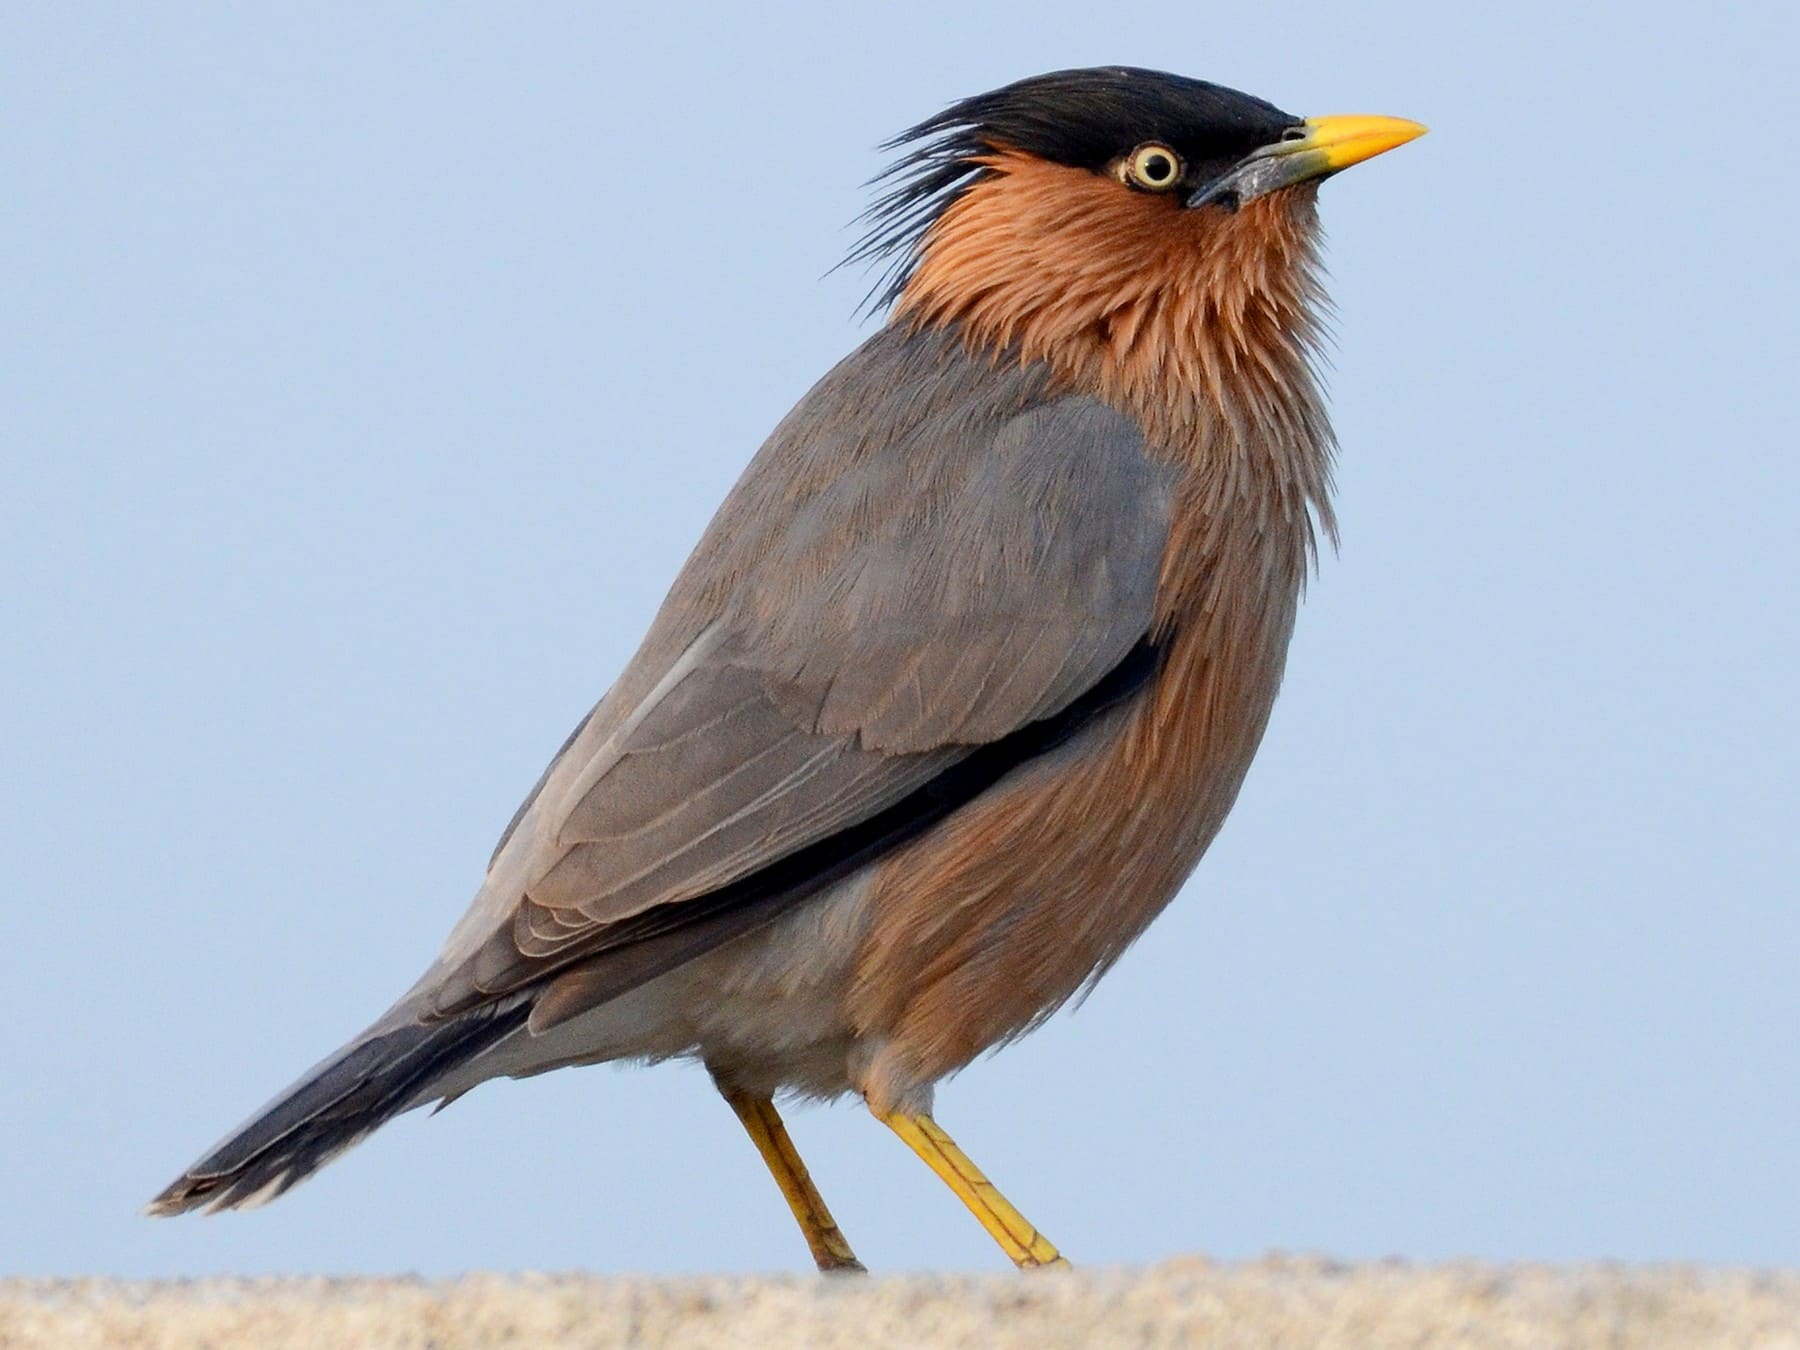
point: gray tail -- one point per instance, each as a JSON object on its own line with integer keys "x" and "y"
{"x": 336, "y": 1105}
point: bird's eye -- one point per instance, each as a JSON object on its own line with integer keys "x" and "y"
{"x": 1153, "y": 167}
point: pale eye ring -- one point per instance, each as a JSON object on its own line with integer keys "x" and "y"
{"x": 1153, "y": 167}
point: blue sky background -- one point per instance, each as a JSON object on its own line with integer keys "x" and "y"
{"x": 367, "y": 371}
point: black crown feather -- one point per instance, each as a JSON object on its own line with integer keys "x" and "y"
{"x": 1082, "y": 118}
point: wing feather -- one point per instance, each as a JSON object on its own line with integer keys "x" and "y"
{"x": 929, "y": 555}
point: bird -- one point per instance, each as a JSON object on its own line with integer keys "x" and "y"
{"x": 961, "y": 680}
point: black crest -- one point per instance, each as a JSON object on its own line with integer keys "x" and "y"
{"x": 1082, "y": 118}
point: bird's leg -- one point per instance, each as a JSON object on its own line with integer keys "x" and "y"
{"x": 1018, "y": 1238}
{"x": 830, "y": 1249}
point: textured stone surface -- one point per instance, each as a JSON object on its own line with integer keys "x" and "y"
{"x": 1184, "y": 1302}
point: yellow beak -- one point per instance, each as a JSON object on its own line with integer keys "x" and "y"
{"x": 1318, "y": 146}
{"x": 1351, "y": 138}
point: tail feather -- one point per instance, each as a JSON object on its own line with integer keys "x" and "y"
{"x": 336, "y": 1105}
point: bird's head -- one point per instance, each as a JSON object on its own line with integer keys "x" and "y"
{"x": 1103, "y": 205}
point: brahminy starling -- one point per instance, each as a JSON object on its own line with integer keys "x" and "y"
{"x": 961, "y": 680}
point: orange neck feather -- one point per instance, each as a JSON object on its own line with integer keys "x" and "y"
{"x": 1200, "y": 324}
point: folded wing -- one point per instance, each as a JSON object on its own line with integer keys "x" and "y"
{"x": 900, "y": 601}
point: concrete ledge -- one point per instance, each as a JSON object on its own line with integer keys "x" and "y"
{"x": 1184, "y": 1302}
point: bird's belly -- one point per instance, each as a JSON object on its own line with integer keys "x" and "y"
{"x": 987, "y": 925}
{"x": 765, "y": 1012}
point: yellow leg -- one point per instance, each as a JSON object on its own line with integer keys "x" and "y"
{"x": 1029, "y": 1249}
{"x": 830, "y": 1249}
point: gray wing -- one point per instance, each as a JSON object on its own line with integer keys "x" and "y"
{"x": 927, "y": 556}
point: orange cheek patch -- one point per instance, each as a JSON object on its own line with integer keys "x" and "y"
{"x": 1125, "y": 293}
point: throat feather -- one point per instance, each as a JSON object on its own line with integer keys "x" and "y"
{"x": 1203, "y": 325}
